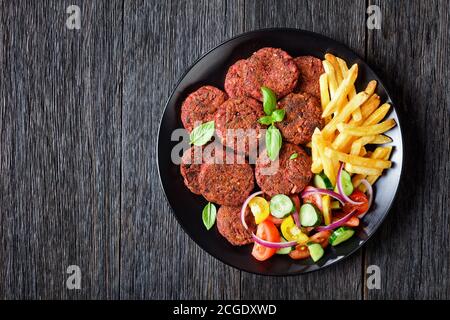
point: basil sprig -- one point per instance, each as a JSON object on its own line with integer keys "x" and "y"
{"x": 209, "y": 215}
{"x": 293, "y": 156}
{"x": 270, "y": 108}
{"x": 202, "y": 133}
{"x": 269, "y": 100}
{"x": 274, "y": 139}
{"x": 278, "y": 115}
{"x": 273, "y": 142}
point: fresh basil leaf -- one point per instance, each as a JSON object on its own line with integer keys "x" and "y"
{"x": 278, "y": 115}
{"x": 202, "y": 133}
{"x": 293, "y": 156}
{"x": 273, "y": 142}
{"x": 209, "y": 215}
{"x": 267, "y": 120}
{"x": 269, "y": 100}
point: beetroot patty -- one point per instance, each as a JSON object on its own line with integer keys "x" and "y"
{"x": 310, "y": 69}
{"x": 234, "y": 80}
{"x": 201, "y": 106}
{"x": 303, "y": 115}
{"x": 272, "y": 68}
{"x": 237, "y": 123}
{"x": 291, "y": 176}
{"x": 230, "y": 226}
{"x": 226, "y": 184}
{"x": 190, "y": 166}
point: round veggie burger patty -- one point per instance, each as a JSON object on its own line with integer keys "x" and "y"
{"x": 272, "y": 68}
{"x": 303, "y": 115}
{"x": 190, "y": 166}
{"x": 230, "y": 226}
{"x": 310, "y": 69}
{"x": 289, "y": 177}
{"x": 226, "y": 184}
{"x": 234, "y": 80}
{"x": 201, "y": 106}
{"x": 238, "y": 118}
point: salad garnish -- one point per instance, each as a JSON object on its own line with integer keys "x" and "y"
{"x": 209, "y": 215}
{"x": 202, "y": 133}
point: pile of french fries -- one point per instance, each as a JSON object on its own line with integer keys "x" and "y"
{"x": 352, "y": 121}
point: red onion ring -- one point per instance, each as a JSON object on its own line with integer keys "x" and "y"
{"x": 311, "y": 190}
{"x": 273, "y": 245}
{"x": 244, "y": 207}
{"x": 341, "y": 189}
{"x": 338, "y": 223}
{"x": 369, "y": 191}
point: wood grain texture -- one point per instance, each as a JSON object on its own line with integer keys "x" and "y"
{"x": 343, "y": 21}
{"x": 162, "y": 38}
{"x": 60, "y": 107}
{"x": 412, "y": 248}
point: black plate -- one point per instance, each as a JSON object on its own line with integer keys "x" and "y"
{"x": 211, "y": 69}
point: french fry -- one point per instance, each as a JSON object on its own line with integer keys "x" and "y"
{"x": 370, "y": 106}
{"x": 356, "y": 160}
{"x": 332, "y": 59}
{"x": 342, "y": 91}
{"x": 371, "y": 86}
{"x": 328, "y": 167}
{"x": 344, "y": 70}
{"x": 363, "y": 152}
{"x": 359, "y": 143}
{"x": 339, "y": 78}
{"x": 356, "y": 115}
{"x": 377, "y": 115}
{"x": 316, "y": 166}
{"x": 371, "y": 113}
{"x": 331, "y": 75}
{"x": 345, "y": 113}
{"x": 381, "y": 139}
{"x": 362, "y": 170}
{"x": 373, "y": 178}
{"x": 379, "y": 153}
{"x": 324, "y": 93}
{"x": 366, "y": 130}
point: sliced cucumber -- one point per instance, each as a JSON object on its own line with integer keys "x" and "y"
{"x": 340, "y": 235}
{"x": 316, "y": 251}
{"x": 284, "y": 250}
{"x": 309, "y": 215}
{"x": 347, "y": 184}
{"x": 281, "y": 206}
{"x": 322, "y": 181}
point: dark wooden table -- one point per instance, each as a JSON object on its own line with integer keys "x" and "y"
{"x": 79, "y": 115}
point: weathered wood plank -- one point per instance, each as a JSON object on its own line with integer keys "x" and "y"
{"x": 161, "y": 40}
{"x": 412, "y": 248}
{"x": 345, "y": 22}
{"x": 60, "y": 107}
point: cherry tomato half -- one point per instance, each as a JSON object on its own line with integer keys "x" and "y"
{"x": 352, "y": 222}
{"x": 266, "y": 231}
{"x": 321, "y": 238}
{"x": 357, "y": 196}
